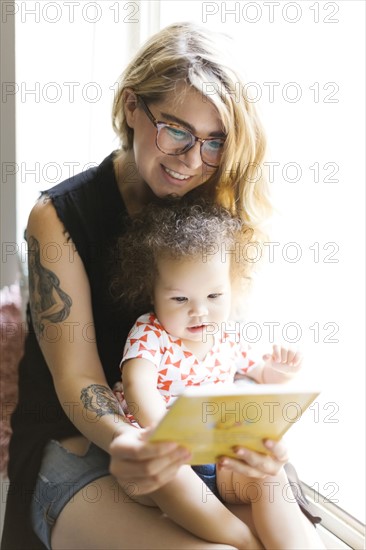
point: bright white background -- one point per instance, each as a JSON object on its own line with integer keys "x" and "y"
{"x": 314, "y": 52}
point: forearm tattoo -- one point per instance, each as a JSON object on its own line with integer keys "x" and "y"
{"x": 48, "y": 301}
{"x": 100, "y": 400}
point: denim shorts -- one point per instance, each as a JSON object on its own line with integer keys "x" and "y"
{"x": 62, "y": 474}
{"x": 207, "y": 472}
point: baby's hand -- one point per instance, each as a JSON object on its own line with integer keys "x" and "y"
{"x": 286, "y": 361}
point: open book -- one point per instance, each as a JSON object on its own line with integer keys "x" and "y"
{"x": 210, "y": 420}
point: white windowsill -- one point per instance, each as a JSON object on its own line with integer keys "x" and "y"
{"x": 338, "y": 529}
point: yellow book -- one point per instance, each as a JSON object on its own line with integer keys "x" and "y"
{"x": 210, "y": 420}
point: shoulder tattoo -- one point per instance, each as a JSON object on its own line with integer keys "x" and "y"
{"x": 47, "y": 299}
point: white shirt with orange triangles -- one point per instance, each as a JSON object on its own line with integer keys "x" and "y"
{"x": 177, "y": 367}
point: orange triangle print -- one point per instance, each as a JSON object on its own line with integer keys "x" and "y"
{"x": 166, "y": 385}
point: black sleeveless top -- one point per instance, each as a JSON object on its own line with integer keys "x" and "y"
{"x": 93, "y": 213}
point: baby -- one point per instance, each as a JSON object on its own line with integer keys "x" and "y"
{"x": 182, "y": 267}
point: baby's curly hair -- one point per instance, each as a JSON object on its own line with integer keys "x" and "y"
{"x": 174, "y": 229}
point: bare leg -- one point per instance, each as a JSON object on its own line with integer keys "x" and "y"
{"x": 188, "y": 502}
{"x": 101, "y": 516}
{"x": 279, "y": 522}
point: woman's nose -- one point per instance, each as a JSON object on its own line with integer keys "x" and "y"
{"x": 192, "y": 158}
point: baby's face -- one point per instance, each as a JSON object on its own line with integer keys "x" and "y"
{"x": 192, "y": 296}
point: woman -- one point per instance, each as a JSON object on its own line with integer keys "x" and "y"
{"x": 183, "y": 129}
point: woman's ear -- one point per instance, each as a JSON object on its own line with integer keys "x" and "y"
{"x": 130, "y": 104}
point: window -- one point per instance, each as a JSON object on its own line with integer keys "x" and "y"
{"x": 304, "y": 62}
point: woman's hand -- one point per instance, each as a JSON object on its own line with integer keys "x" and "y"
{"x": 257, "y": 465}
{"x": 141, "y": 467}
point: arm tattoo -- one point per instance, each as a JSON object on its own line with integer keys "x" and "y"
{"x": 101, "y": 400}
{"x": 48, "y": 301}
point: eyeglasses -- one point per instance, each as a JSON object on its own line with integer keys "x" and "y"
{"x": 172, "y": 139}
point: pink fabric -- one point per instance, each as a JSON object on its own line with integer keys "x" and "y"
{"x": 11, "y": 351}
